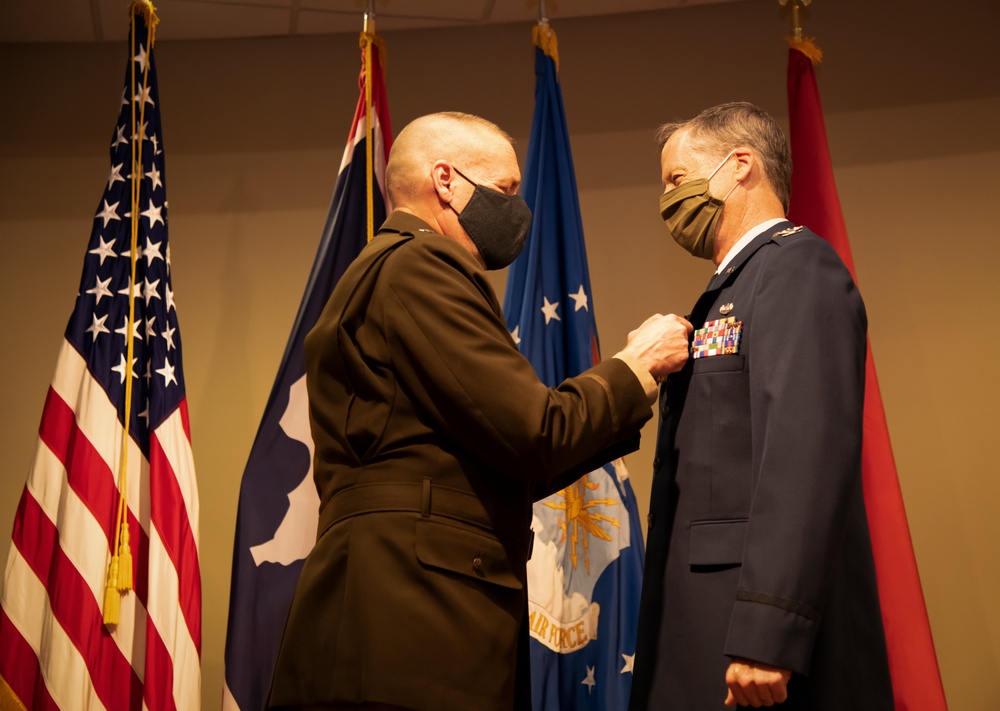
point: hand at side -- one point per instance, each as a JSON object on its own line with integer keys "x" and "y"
{"x": 755, "y": 684}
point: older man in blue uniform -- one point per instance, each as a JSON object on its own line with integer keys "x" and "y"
{"x": 759, "y": 586}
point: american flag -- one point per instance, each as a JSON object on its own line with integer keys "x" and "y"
{"x": 279, "y": 507}
{"x": 56, "y": 649}
{"x": 585, "y": 573}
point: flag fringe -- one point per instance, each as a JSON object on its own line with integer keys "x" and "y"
{"x": 9, "y": 701}
{"x": 545, "y": 39}
{"x": 370, "y": 38}
{"x": 806, "y": 45}
{"x": 148, "y": 12}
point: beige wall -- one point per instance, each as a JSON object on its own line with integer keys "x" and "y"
{"x": 254, "y": 130}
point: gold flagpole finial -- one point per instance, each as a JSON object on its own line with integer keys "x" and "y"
{"x": 544, "y": 36}
{"x": 797, "y": 5}
{"x": 806, "y": 45}
{"x": 369, "y": 26}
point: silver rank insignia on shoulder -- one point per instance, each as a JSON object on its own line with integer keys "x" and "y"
{"x": 725, "y": 308}
{"x": 788, "y": 231}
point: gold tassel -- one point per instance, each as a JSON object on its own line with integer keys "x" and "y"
{"x": 806, "y": 45}
{"x": 124, "y": 560}
{"x": 544, "y": 38}
{"x": 112, "y": 598}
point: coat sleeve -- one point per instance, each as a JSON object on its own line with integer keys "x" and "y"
{"x": 808, "y": 347}
{"x": 452, "y": 352}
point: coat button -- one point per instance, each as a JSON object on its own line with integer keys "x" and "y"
{"x": 477, "y": 564}
{"x": 656, "y": 464}
{"x": 650, "y": 520}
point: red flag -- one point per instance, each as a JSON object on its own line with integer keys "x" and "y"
{"x": 916, "y": 681}
{"x": 101, "y": 600}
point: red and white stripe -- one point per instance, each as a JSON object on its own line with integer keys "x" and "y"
{"x": 56, "y": 651}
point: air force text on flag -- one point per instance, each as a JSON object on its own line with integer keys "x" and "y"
{"x": 585, "y": 573}
{"x": 279, "y": 506}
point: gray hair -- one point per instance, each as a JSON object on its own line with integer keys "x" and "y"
{"x": 722, "y": 128}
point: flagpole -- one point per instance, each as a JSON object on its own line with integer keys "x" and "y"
{"x": 797, "y": 5}
{"x": 120, "y": 567}
{"x": 544, "y": 36}
{"x": 555, "y": 256}
{"x": 367, "y": 38}
{"x": 806, "y": 45}
{"x": 274, "y": 534}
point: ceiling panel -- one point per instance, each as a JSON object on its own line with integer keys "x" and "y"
{"x": 203, "y": 19}
{"x": 444, "y": 10}
{"x": 314, "y": 22}
{"x": 107, "y": 20}
{"x": 520, "y": 10}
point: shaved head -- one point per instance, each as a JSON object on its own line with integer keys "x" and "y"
{"x": 471, "y": 142}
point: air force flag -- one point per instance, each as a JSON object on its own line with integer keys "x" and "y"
{"x": 585, "y": 573}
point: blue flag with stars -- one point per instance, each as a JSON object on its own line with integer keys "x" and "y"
{"x": 585, "y": 573}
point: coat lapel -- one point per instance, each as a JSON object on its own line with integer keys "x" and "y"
{"x": 732, "y": 269}
{"x": 729, "y": 274}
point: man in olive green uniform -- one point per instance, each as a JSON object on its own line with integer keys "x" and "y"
{"x": 433, "y": 436}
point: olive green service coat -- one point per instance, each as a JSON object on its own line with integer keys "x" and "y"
{"x": 433, "y": 436}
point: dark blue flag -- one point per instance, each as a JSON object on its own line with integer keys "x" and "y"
{"x": 279, "y": 506}
{"x": 585, "y": 573}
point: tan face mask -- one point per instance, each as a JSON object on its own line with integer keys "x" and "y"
{"x": 691, "y": 214}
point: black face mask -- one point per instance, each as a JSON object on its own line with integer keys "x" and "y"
{"x": 497, "y": 223}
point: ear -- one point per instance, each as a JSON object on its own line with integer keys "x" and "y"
{"x": 442, "y": 178}
{"x": 746, "y": 160}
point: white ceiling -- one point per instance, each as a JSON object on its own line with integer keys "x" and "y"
{"x": 107, "y": 20}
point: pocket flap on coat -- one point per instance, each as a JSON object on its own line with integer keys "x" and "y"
{"x": 718, "y": 364}
{"x": 717, "y": 542}
{"x": 465, "y": 551}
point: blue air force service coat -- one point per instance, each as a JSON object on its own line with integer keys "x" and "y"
{"x": 433, "y": 436}
{"x": 758, "y": 542}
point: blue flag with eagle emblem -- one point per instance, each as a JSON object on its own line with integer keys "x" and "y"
{"x": 585, "y": 573}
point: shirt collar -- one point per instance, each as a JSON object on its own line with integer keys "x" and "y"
{"x": 745, "y": 240}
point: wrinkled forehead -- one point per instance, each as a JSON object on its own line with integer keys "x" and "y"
{"x": 687, "y": 150}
